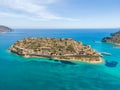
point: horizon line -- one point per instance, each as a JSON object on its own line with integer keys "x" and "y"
{"x": 66, "y": 28}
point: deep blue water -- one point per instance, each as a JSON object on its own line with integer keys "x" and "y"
{"x": 18, "y": 73}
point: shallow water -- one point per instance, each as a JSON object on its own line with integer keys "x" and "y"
{"x": 18, "y": 73}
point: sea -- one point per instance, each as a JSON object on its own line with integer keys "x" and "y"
{"x": 19, "y": 73}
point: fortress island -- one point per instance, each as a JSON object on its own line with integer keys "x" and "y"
{"x": 57, "y": 49}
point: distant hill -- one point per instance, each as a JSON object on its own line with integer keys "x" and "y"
{"x": 114, "y": 38}
{"x": 5, "y": 29}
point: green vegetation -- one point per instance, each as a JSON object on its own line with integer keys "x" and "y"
{"x": 70, "y": 48}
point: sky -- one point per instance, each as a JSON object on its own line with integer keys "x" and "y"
{"x": 60, "y": 13}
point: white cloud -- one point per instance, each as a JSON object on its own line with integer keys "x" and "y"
{"x": 6, "y": 14}
{"x": 44, "y": 1}
{"x": 35, "y": 9}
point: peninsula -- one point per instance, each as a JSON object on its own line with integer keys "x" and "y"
{"x": 114, "y": 38}
{"x": 4, "y": 29}
{"x": 58, "y": 49}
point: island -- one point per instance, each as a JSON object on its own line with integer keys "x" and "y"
{"x": 4, "y": 29}
{"x": 114, "y": 38}
{"x": 65, "y": 49}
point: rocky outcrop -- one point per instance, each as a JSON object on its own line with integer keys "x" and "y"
{"x": 114, "y": 38}
{"x": 61, "y": 49}
{"x": 5, "y": 29}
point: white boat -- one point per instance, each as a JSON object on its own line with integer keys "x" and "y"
{"x": 106, "y": 53}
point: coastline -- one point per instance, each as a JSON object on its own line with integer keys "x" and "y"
{"x": 70, "y": 60}
{"x": 117, "y": 44}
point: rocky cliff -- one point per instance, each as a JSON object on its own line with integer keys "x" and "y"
{"x": 114, "y": 38}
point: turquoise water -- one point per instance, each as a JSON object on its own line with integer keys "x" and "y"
{"x": 18, "y": 73}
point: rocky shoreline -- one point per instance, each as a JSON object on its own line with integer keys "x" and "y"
{"x": 113, "y": 38}
{"x": 58, "y": 49}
